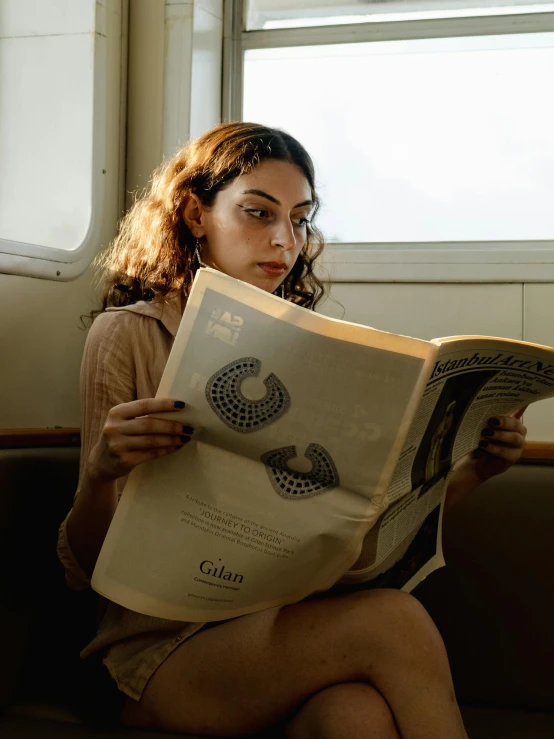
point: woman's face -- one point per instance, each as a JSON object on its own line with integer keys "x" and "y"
{"x": 257, "y": 225}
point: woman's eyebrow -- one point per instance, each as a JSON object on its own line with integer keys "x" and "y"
{"x": 263, "y": 194}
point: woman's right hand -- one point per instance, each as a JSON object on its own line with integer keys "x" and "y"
{"x": 132, "y": 436}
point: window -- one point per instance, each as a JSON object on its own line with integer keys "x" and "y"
{"x": 432, "y": 131}
{"x": 419, "y": 141}
{"x": 52, "y": 137}
{"x": 268, "y": 14}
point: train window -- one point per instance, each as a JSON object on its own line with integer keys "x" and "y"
{"x": 52, "y": 137}
{"x": 266, "y": 14}
{"x": 435, "y": 148}
{"x": 432, "y": 134}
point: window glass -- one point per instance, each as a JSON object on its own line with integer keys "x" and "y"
{"x": 46, "y": 139}
{"x": 419, "y": 141}
{"x": 268, "y": 14}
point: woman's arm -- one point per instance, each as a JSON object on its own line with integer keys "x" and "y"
{"x": 129, "y": 438}
{"x": 114, "y": 437}
{"x": 501, "y": 447}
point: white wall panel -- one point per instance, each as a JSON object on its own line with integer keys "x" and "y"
{"x": 429, "y": 311}
{"x": 41, "y": 375}
{"x": 43, "y": 18}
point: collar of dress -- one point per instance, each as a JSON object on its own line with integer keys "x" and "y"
{"x": 166, "y": 310}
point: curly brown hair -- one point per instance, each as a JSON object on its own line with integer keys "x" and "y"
{"x": 153, "y": 253}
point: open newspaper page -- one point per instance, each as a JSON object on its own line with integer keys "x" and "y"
{"x": 299, "y": 421}
{"x": 473, "y": 378}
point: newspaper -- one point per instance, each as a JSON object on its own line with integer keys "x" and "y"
{"x": 320, "y": 456}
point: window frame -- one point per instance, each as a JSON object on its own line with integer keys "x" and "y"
{"x": 45, "y": 262}
{"x": 463, "y": 261}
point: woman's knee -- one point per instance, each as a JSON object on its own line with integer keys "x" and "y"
{"x": 346, "y": 711}
{"x": 396, "y": 624}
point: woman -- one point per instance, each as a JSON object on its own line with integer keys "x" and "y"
{"x": 240, "y": 199}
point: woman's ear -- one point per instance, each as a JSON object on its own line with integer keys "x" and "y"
{"x": 191, "y": 210}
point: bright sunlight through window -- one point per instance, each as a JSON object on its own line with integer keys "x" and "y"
{"x": 419, "y": 141}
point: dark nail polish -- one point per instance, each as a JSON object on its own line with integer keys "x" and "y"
{"x": 188, "y": 430}
{"x": 487, "y": 432}
{"x": 178, "y": 404}
{"x": 483, "y": 444}
{"x": 493, "y": 422}
{"x": 185, "y": 439}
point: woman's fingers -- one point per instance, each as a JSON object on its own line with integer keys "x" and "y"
{"x": 506, "y": 423}
{"x": 503, "y": 438}
{"x": 132, "y": 436}
{"x": 144, "y": 407}
{"x": 146, "y": 433}
{"x": 128, "y": 427}
{"x": 501, "y": 446}
{"x": 127, "y": 444}
{"x": 149, "y": 425}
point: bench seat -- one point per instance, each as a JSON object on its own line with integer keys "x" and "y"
{"x": 494, "y": 603}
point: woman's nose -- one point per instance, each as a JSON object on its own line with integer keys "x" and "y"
{"x": 284, "y": 235}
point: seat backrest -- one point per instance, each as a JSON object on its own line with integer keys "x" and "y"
{"x": 43, "y": 624}
{"x": 494, "y": 601}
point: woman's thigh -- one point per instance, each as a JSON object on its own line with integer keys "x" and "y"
{"x": 258, "y": 669}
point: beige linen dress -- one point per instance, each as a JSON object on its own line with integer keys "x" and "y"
{"x": 124, "y": 358}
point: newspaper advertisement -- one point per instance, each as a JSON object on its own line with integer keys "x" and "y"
{"x": 299, "y": 422}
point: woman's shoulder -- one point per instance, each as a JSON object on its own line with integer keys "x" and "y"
{"x": 122, "y": 330}
{"x": 151, "y": 308}
{"x": 122, "y": 340}
{"x": 118, "y": 319}
{"x": 143, "y": 316}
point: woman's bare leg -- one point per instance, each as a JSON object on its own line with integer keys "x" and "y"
{"x": 345, "y": 711}
{"x": 252, "y": 672}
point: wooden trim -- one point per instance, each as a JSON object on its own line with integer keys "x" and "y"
{"x": 538, "y": 451}
{"x": 25, "y": 438}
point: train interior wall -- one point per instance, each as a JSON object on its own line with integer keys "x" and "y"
{"x": 159, "y": 94}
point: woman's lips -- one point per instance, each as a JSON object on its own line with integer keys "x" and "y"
{"x": 275, "y": 269}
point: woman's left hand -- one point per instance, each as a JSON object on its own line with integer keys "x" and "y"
{"x": 501, "y": 446}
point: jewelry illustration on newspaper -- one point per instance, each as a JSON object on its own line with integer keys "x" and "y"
{"x": 224, "y": 395}
{"x": 293, "y": 485}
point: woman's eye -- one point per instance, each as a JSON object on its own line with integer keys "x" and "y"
{"x": 303, "y": 221}
{"x": 257, "y": 212}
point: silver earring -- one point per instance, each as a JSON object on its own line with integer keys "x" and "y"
{"x": 283, "y": 290}
{"x": 197, "y": 250}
